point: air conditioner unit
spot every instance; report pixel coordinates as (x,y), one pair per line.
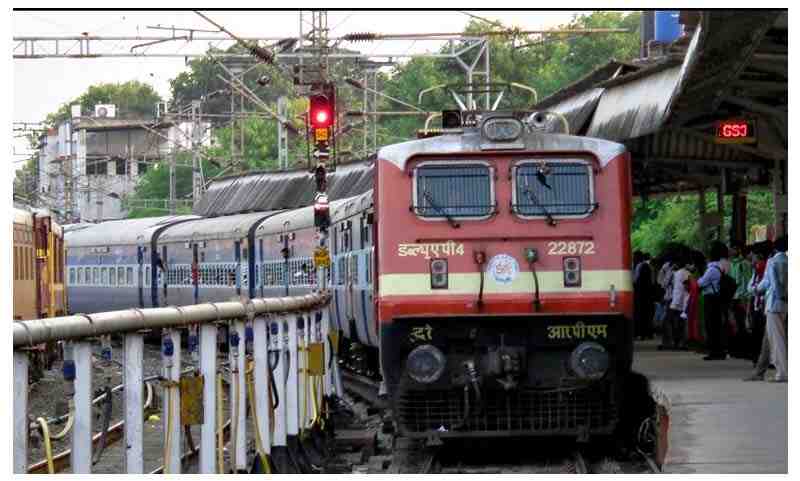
(76,110)
(161,109)
(105,111)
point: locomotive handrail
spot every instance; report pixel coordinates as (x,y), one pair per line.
(32,332)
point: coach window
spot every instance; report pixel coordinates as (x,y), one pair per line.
(129,275)
(80,275)
(104,276)
(71,275)
(112,276)
(447,190)
(147,274)
(554,188)
(94,275)
(121,276)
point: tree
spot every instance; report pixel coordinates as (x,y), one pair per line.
(546,65)
(659,222)
(133,99)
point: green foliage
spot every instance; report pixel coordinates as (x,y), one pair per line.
(546,65)
(133,99)
(675,219)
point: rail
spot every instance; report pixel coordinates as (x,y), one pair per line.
(281,375)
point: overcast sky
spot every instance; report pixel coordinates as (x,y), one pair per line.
(41,86)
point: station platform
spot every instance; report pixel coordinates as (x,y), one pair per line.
(718,423)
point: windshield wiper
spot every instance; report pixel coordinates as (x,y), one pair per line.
(450,220)
(532,196)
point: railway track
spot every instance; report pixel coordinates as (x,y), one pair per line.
(499,455)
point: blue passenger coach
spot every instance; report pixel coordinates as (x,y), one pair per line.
(114,265)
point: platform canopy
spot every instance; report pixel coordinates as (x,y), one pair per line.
(729,66)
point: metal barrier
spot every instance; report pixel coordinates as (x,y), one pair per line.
(281,368)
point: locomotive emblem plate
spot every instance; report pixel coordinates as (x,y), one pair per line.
(503,268)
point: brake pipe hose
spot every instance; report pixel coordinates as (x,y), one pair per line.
(168,351)
(254,413)
(234,339)
(48,448)
(220,436)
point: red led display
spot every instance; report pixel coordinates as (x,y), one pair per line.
(736,131)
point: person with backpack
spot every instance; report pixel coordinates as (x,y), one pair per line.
(718,288)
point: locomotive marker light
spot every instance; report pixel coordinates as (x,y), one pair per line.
(589,361)
(439,276)
(572,271)
(425,364)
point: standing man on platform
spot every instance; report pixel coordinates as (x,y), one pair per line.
(713,306)
(775,285)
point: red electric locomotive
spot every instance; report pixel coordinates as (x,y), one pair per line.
(503,287)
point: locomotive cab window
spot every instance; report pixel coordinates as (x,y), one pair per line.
(553,188)
(448,190)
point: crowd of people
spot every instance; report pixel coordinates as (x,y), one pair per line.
(732,302)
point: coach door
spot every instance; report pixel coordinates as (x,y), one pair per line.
(260,271)
(237,252)
(195,272)
(140,274)
(163,272)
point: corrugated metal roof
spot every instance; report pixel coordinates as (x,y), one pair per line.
(635,108)
(578,109)
(120,232)
(729,41)
(265,191)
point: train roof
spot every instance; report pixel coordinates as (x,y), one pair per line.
(78,226)
(224,227)
(121,232)
(302,218)
(344,208)
(264,191)
(470,142)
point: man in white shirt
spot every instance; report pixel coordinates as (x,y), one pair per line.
(679,301)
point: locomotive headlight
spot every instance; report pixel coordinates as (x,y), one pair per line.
(501,129)
(589,361)
(425,364)
(439,274)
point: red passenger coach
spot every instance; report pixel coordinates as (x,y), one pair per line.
(504,290)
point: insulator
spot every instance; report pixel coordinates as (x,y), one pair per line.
(262,53)
(360,37)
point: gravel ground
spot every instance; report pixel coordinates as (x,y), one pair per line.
(45,396)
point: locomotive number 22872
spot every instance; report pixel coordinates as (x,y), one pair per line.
(556,248)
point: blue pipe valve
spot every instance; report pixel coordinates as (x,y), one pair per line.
(248,339)
(234,339)
(68,370)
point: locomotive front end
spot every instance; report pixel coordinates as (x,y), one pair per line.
(504,291)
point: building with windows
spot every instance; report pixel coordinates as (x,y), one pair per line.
(88,166)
